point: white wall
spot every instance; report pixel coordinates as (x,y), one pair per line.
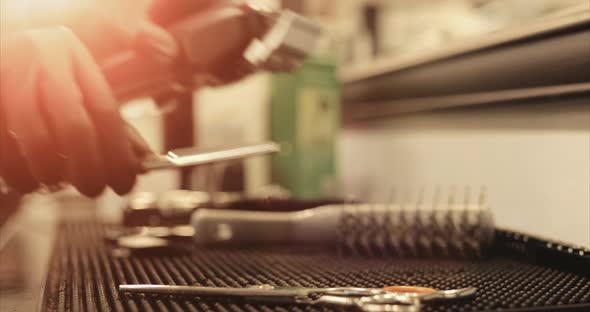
(237,114)
(533,159)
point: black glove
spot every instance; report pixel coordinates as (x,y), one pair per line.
(59,120)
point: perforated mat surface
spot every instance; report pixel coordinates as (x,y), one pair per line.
(85,272)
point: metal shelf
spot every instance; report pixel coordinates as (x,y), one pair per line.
(546,60)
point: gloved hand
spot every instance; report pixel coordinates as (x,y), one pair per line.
(59,119)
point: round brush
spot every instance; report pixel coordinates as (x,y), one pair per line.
(456,231)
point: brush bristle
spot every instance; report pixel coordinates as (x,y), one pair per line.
(462,231)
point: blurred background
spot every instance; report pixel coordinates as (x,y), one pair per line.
(533,159)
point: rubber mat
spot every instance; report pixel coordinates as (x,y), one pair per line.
(86,270)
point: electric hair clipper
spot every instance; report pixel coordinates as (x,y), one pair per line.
(220,43)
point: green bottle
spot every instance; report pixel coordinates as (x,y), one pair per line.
(305,118)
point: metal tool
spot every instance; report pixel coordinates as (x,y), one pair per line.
(162,232)
(199,156)
(365,299)
(286,45)
(457,231)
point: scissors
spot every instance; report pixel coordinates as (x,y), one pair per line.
(391,298)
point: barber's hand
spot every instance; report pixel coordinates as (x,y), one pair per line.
(59,119)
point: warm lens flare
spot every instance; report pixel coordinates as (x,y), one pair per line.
(48,3)
(30,13)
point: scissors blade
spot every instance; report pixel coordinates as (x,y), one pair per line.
(198,156)
(200,291)
(449,294)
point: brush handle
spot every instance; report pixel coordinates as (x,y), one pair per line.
(217,226)
(242,226)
